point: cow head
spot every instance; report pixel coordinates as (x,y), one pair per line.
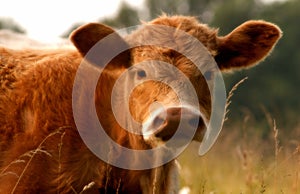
(163,77)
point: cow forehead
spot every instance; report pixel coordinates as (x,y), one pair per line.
(170,45)
(174,31)
(153,57)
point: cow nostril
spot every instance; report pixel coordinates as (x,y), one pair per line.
(194,122)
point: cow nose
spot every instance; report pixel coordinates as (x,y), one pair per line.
(168,120)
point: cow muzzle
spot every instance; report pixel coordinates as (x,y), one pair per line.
(180,123)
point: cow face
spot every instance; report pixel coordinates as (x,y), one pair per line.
(163,77)
(170,93)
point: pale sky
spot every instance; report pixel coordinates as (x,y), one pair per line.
(47,19)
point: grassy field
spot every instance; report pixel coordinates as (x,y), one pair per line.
(243,163)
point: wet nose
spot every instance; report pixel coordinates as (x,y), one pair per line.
(168,120)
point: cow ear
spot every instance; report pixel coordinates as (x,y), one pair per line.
(87,36)
(248,44)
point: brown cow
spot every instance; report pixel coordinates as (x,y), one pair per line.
(42,141)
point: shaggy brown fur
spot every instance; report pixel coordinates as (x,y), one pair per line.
(40,148)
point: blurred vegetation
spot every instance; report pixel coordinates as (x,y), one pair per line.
(126,16)
(10,24)
(242,164)
(272,90)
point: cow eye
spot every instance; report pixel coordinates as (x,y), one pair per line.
(141,74)
(208,75)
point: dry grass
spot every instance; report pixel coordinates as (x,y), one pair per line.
(242,163)
(30,155)
(239,163)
